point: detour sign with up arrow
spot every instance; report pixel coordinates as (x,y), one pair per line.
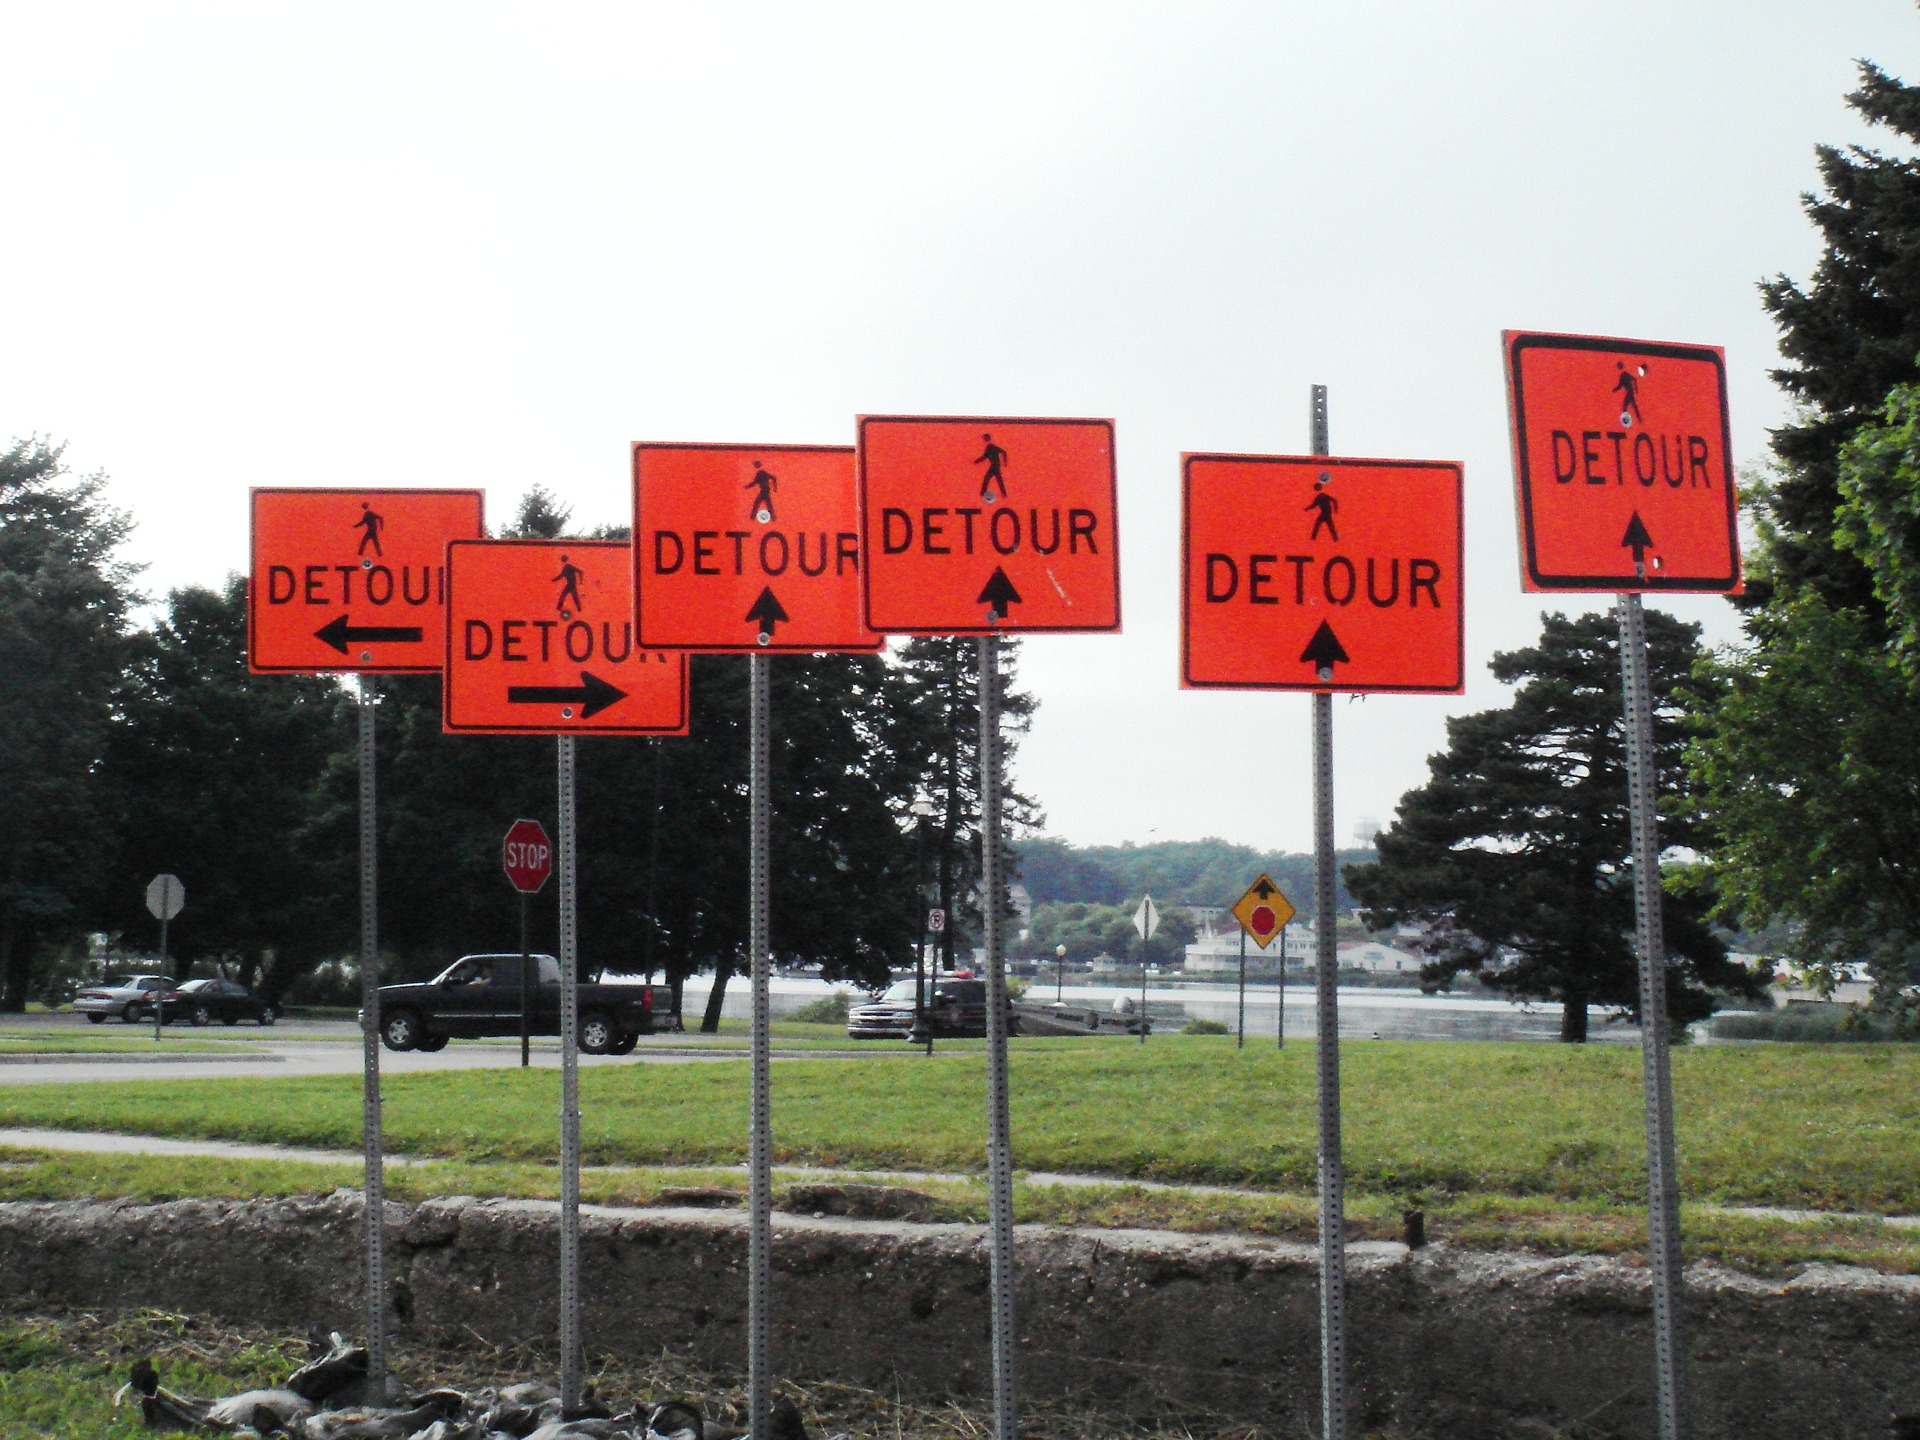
(1623,464)
(353,579)
(540,642)
(974,526)
(1312,573)
(747,547)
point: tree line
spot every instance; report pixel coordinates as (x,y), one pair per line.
(131,749)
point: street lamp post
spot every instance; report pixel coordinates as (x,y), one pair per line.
(1060,974)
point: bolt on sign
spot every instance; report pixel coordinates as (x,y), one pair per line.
(1316,573)
(1623,464)
(1263,912)
(540,642)
(353,579)
(747,547)
(976,526)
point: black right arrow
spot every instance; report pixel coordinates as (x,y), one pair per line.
(998,594)
(1637,539)
(340,635)
(767,610)
(1324,650)
(592,695)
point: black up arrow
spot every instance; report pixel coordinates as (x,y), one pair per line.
(1265,888)
(1637,539)
(592,695)
(998,594)
(1324,651)
(340,635)
(768,611)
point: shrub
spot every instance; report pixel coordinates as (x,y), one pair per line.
(827,1010)
(1827,1025)
(1205,1027)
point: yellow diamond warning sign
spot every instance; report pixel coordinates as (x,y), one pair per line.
(1263,912)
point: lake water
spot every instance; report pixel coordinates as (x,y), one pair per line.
(1366,1012)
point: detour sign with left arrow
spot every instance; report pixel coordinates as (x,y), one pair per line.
(540,642)
(353,579)
(1312,573)
(1623,464)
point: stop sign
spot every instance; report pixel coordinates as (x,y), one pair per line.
(527,856)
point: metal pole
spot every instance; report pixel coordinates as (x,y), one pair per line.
(1663,1189)
(1280,996)
(759,1131)
(159,1011)
(569,1084)
(1332,1176)
(1240,1032)
(370,1137)
(999,1133)
(526,1028)
(1143,990)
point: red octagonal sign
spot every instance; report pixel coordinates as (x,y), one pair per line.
(527,856)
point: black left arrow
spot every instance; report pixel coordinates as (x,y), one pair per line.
(999,594)
(340,635)
(768,611)
(1324,651)
(1637,539)
(592,695)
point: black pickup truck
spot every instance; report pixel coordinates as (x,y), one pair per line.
(481,995)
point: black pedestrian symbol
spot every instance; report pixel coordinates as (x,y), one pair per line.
(1323,505)
(993,457)
(1627,386)
(372,523)
(764,482)
(569,582)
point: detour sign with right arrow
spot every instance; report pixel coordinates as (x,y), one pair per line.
(1314,573)
(1622,463)
(540,642)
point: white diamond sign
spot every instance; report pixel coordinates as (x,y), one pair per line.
(1147,918)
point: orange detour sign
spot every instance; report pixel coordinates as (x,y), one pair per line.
(1263,912)
(747,547)
(540,642)
(353,579)
(1623,464)
(1312,573)
(975,526)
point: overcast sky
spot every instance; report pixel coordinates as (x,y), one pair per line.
(492,245)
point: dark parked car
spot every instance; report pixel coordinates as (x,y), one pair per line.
(956,1005)
(201,1002)
(481,995)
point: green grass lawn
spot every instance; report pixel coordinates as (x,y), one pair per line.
(1814,1127)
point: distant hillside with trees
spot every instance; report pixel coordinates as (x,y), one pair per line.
(1174,872)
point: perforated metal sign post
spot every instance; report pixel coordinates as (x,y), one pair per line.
(1294,565)
(1623,474)
(1622,463)
(540,641)
(353,580)
(747,548)
(974,526)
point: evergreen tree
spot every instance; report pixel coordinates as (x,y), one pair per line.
(214,775)
(64,597)
(1806,763)
(1851,336)
(936,737)
(1515,855)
